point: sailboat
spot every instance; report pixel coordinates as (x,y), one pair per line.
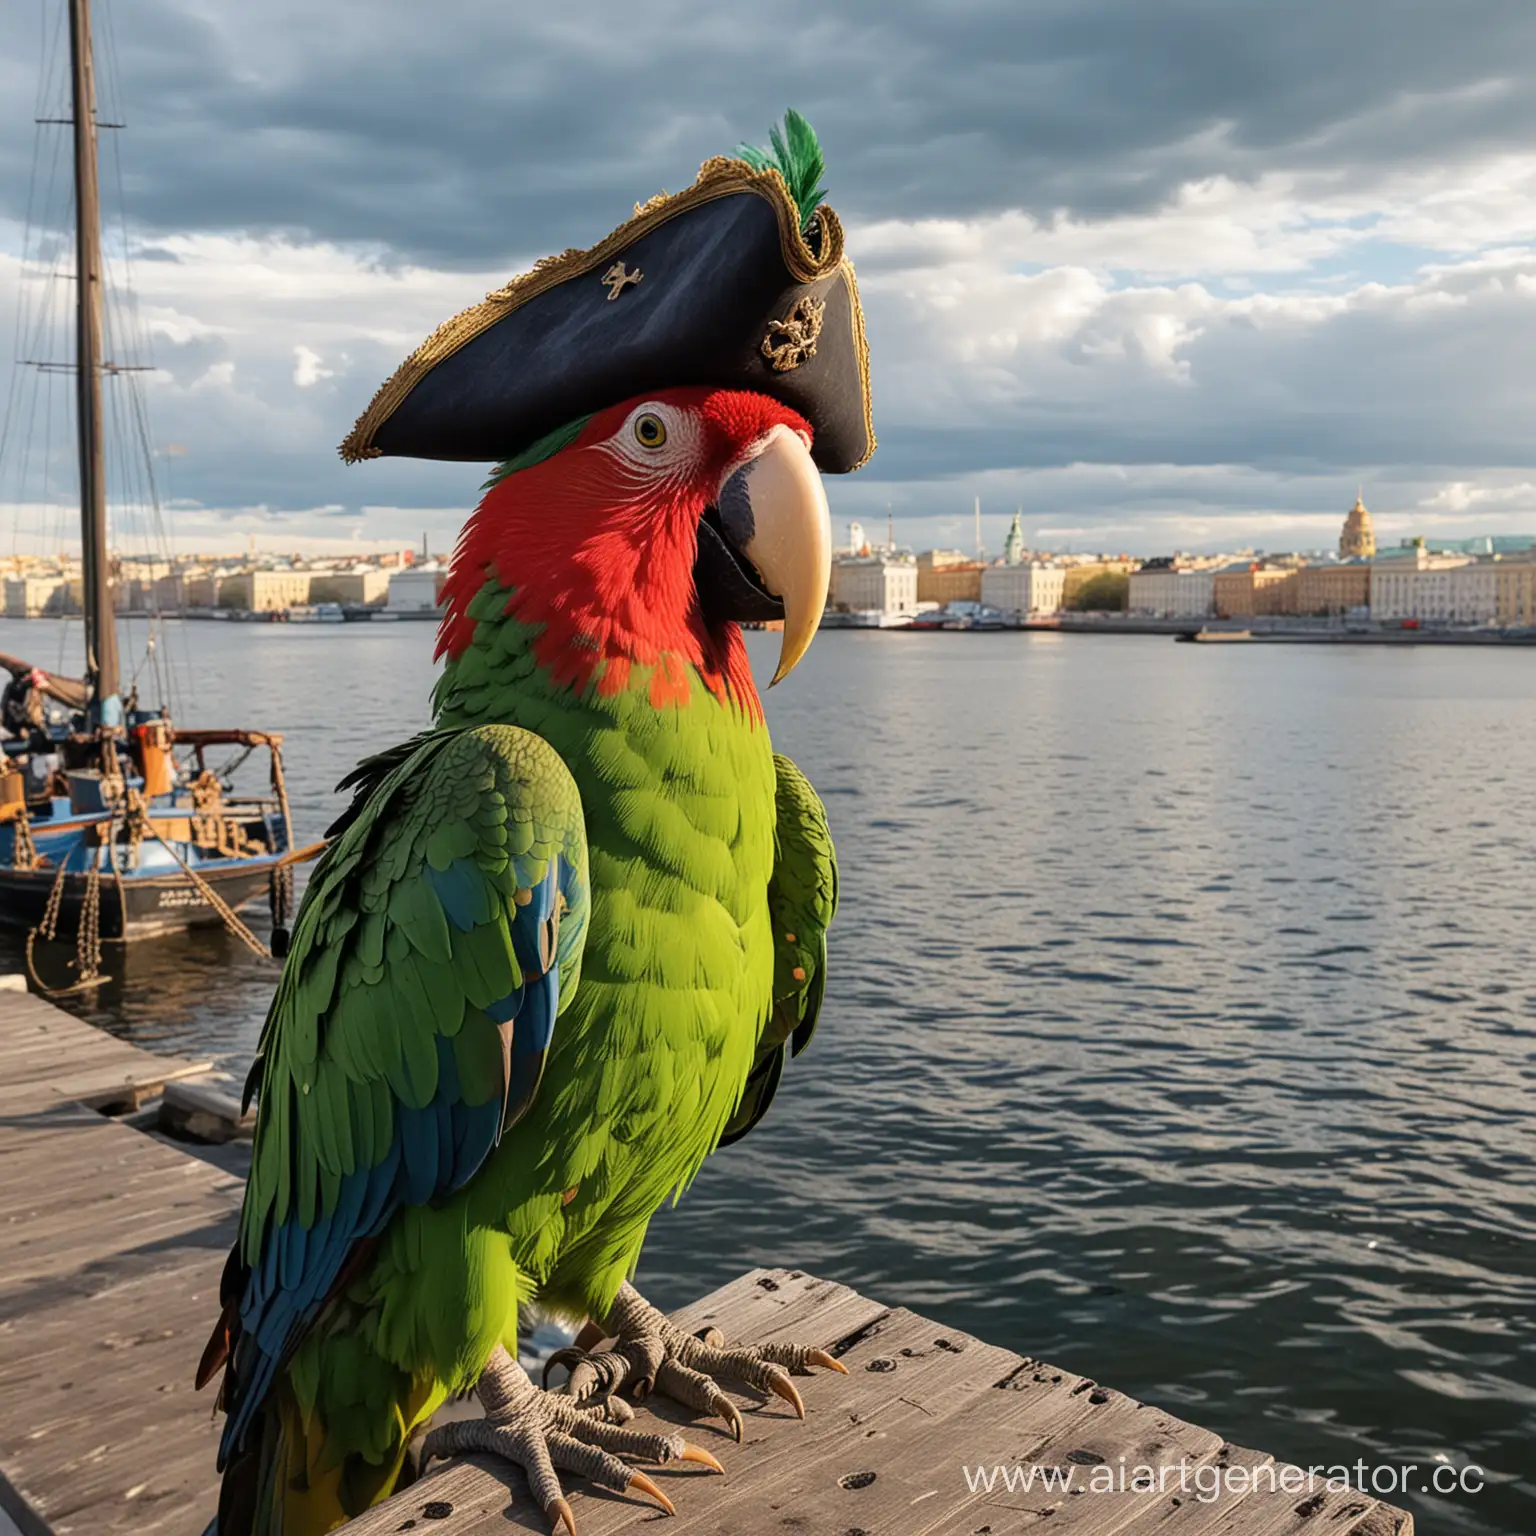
(115,823)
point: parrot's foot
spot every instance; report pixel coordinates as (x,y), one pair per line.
(650,1353)
(541,1431)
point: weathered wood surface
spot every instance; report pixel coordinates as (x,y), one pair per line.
(204,1111)
(883,1449)
(48,1056)
(111,1244)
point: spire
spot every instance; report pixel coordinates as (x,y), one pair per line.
(1013,545)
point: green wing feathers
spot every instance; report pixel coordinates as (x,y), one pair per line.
(802,901)
(438,940)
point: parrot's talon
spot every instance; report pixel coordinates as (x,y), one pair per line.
(649,1355)
(569,1357)
(699,1454)
(776,1379)
(548,1432)
(650,1490)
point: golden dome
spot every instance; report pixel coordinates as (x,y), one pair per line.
(1358,540)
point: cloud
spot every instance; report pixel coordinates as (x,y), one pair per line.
(308,367)
(1173,272)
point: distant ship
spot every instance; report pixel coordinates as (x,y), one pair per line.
(115,823)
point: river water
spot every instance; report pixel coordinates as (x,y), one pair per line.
(1180,1026)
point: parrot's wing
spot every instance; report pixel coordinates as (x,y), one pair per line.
(802,900)
(437,942)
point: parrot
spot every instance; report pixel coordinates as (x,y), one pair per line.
(555,953)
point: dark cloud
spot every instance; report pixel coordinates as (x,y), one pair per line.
(460,132)
(470,137)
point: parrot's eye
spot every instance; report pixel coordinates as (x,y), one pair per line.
(650,431)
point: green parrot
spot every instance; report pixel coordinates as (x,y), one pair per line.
(556,952)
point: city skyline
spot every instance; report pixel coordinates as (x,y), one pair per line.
(1171,284)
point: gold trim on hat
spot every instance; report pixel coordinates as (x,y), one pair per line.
(861,351)
(718,177)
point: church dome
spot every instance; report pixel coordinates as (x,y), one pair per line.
(1358,540)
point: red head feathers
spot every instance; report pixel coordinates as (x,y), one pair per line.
(597,543)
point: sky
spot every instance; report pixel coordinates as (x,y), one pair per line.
(1163,274)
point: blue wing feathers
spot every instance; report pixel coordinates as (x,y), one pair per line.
(463,892)
(434,1150)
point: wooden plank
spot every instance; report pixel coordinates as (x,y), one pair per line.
(114,1243)
(205,1113)
(47,1054)
(885,1449)
(99,1334)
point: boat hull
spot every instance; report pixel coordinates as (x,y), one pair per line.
(141,907)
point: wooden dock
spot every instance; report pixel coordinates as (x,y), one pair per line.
(113,1243)
(112,1247)
(884,1450)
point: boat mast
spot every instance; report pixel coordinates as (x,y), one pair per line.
(100,621)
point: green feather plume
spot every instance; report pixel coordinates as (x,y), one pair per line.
(797,157)
(536,452)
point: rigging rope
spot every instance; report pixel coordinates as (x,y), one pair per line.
(211,896)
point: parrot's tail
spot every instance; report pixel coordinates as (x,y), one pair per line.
(284,1484)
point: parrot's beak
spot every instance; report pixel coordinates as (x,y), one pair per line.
(773,510)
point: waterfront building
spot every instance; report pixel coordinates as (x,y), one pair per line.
(1165,590)
(169,593)
(1079,575)
(1358,540)
(879,583)
(201,587)
(1022,590)
(1474,593)
(415,590)
(946,576)
(1515,592)
(1330,589)
(1251,588)
(264,591)
(1411,583)
(33,597)
(367,587)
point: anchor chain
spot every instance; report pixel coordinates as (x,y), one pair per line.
(87,935)
(23,846)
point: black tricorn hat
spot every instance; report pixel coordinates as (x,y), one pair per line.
(717,285)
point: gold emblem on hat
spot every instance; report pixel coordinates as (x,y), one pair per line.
(618,279)
(792,340)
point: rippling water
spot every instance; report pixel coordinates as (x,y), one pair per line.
(1180,1026)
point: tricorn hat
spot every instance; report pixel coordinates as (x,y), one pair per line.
(729,283)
